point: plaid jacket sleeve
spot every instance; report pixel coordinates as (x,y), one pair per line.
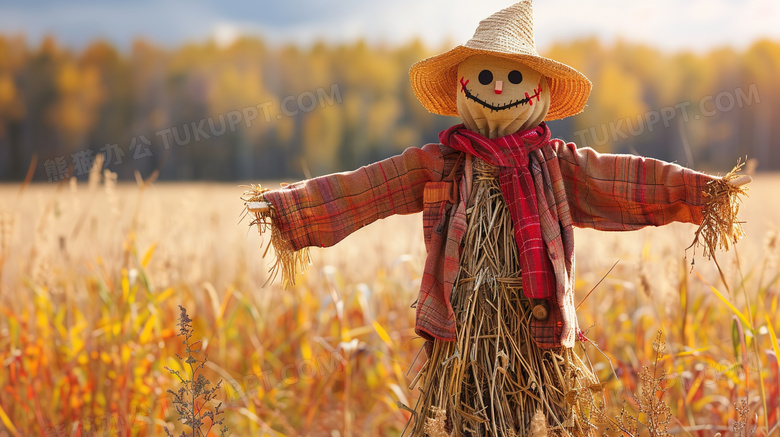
(324,210)
(625,192)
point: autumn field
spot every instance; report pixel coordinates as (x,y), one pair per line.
(92,275)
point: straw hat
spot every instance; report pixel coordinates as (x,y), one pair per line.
(508,34)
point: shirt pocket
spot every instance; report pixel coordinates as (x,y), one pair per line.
(438,198)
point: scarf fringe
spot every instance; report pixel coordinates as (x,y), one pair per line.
(720,227)
(288,261)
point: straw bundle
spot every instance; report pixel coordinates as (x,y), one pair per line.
(287,260)
(494,380)
(720,226)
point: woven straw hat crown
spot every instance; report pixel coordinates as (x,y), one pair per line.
(507,34)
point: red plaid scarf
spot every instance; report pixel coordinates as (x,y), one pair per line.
(510,153)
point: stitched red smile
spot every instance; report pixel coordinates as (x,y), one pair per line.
(529,99)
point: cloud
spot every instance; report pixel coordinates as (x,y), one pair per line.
(697,25)
(77,23)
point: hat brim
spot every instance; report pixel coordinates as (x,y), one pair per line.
(434,81)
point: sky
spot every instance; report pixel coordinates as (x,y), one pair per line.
(671,25)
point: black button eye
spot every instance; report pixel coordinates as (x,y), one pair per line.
(515,76)
(485,77)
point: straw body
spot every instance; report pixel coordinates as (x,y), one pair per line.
(494,380)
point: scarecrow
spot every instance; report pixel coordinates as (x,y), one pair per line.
(499,199)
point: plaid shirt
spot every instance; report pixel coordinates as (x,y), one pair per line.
(575,187)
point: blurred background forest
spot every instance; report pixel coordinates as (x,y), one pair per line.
(250,110)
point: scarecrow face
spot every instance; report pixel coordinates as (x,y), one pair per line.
(498,97)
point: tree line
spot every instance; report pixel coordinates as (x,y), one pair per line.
(249,111)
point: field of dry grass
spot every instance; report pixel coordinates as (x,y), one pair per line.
(91,277)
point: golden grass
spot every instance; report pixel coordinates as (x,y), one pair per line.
(91,278)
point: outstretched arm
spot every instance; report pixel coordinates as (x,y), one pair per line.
(626,192)
(324,210)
